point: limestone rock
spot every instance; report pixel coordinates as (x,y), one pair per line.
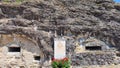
(69,18)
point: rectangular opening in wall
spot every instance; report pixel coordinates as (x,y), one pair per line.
(93,48)
(37,58)
(14,49)
(22,67)
(118,54)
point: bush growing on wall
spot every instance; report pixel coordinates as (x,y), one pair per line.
(60,63)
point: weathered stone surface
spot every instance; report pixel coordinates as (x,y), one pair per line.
(92,59)
(69,18)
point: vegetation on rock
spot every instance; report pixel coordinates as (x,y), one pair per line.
(61,63)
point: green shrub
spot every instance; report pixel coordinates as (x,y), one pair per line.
(61,63)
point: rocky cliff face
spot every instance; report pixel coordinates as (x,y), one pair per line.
(70,18)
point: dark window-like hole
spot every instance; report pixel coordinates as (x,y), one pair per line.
(22,67)
(93,48)
(118,54)
(37,58)
(14,49)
